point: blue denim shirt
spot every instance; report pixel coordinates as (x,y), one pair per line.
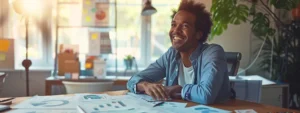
(211,84)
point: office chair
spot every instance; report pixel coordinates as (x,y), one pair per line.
(233,63)
(241,89)
(2,80)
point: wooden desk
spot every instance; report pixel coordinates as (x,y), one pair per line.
(230,105)
(50,81)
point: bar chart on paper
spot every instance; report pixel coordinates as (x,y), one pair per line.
(105,105)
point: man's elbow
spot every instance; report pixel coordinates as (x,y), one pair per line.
(205,99)
(208,100)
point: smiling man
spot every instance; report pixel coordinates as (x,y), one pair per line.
(194,70)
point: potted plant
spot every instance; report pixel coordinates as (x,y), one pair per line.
(128,61)
(281,50)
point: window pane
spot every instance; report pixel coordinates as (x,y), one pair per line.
(35,41)
(128,30)
(161,23)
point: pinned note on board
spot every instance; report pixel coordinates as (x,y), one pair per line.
(4,45)
(87,2)
(7,55)
(94,36)
(94,43)
(95,13)
(2,57)
(88,19)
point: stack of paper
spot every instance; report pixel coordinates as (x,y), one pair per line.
(102,103)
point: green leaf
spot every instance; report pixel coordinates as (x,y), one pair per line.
(252,10)
(239,14)
(284,4)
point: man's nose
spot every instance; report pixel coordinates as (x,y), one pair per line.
(177,30)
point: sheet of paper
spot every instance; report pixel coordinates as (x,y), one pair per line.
(48,102)
(4,45)
(198,109)
(108,105)
(173,105)
(91,97)
(2,57)
(245,111)
(143,96)
(252,77)
(41,111)
(94,43)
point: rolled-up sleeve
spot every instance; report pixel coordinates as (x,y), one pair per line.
(211,77)
(153,73)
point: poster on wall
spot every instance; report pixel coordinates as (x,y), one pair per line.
(99,43)
(7,54)
(95,13)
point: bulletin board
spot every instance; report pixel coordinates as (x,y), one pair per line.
(7,56)
(95,13)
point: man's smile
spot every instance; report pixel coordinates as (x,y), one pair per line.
(177,38)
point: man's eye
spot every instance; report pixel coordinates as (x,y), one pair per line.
(185,25)
(173,25)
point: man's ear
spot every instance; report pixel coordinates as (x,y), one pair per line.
(199,35)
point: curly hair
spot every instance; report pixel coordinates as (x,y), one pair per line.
(203,20)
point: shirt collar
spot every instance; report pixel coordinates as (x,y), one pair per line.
(195,53)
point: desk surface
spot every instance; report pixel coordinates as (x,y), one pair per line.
(230,105)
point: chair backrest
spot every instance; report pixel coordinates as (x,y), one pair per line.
(88,87)
(233,62)
(2,80)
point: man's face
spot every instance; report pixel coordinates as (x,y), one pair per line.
(183,33)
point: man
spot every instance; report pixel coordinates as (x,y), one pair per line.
(194,70)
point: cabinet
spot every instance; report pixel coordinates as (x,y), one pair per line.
(276,95)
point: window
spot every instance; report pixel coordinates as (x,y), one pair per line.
(161,24)
(36,44)
(130,37)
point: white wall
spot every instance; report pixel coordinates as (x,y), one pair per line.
(236,39)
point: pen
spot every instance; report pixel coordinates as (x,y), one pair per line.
(6,99)
(158,104)
(80,109)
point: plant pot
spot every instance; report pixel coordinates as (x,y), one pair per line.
(128,64)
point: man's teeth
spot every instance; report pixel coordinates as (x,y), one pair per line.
(177,38)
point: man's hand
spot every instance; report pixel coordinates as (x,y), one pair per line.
(174,91)
(155,90)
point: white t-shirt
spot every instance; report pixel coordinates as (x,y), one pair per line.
(186,75)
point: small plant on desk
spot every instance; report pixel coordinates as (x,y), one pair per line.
(128,60)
